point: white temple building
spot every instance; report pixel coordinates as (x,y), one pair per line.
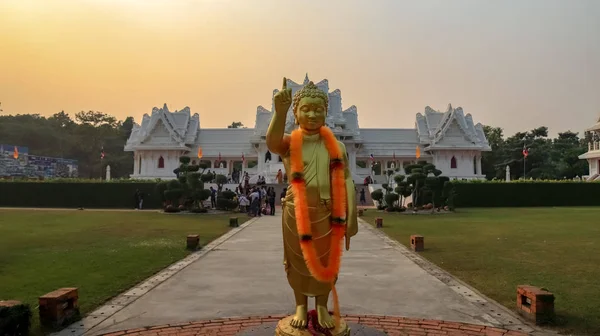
(593,154)
(450,140)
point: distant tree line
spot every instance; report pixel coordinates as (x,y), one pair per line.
(547,158)
(82,138)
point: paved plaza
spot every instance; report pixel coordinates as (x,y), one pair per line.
(241,275)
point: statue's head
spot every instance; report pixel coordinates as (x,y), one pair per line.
(310,107)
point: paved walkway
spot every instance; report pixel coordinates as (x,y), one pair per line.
(242,275)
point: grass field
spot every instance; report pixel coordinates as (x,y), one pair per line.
(495,250)
(102,253)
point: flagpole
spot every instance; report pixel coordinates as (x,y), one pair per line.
(524,159)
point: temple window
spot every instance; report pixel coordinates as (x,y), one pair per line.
(161,162)
(453,164)
(140,165)
(268,156)
(475,165)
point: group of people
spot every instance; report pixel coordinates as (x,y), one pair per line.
(258,200)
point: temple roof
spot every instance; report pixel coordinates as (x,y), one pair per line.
(163,129)
(336,115)
(450,129)
(596,127)
(227,141)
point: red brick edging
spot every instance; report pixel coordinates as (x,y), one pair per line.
(393,326)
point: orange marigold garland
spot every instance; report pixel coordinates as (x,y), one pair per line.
(338,210)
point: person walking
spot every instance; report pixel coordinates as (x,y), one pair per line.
(363,199)
(136,199)
(213,197)
(271,196)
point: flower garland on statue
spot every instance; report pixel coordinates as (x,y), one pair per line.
(338,210)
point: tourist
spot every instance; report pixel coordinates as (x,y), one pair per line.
(279,176)
(244,203)
(141,203)
(246,181)
(271,197)
(363,199)
(255,203)
(213,197)
(136,199)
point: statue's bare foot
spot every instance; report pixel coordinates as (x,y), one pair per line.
(300,319)
(325,319)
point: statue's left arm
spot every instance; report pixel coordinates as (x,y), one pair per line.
(351,212)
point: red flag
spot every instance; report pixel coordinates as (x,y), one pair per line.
(394,156)
(243,158)
(102,154)
(525,152)
(219,157)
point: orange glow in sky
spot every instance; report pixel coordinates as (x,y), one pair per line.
(514,64)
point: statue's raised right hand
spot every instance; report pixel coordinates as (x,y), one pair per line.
(283,100)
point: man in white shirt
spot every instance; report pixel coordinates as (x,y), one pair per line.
(255,203)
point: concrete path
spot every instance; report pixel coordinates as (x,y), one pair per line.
(244,276)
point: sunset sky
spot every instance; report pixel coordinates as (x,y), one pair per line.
(514,64)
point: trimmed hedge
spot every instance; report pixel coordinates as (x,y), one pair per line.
(105,195)
(526,194)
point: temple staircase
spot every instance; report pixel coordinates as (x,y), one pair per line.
(595,177)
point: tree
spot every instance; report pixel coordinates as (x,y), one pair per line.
(127,127)
(188,192)
(95,118)
(377,195)
(403,188)
(236,124)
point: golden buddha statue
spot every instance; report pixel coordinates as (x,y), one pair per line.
(319,209)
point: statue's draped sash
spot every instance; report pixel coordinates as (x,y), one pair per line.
(318,193)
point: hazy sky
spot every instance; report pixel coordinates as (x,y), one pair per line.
(514,64)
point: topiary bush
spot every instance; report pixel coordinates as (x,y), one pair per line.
(377,195)
(225,201)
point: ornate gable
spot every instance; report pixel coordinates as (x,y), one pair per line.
(160,134)
(452,124)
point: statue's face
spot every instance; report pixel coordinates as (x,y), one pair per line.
(311,113)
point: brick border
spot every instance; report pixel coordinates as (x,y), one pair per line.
(393,326)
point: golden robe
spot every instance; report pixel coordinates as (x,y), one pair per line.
(318,192)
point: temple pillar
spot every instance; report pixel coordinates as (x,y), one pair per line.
(135,162)
(261,161)
(352,161)
(146,164)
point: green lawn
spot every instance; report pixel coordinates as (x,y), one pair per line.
(494,250)
(102,253)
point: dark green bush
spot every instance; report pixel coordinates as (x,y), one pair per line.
(525,194)
(377,195)
(226,204)
(391,199)
(107,195)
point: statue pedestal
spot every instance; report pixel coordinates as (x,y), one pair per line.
(285,329)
